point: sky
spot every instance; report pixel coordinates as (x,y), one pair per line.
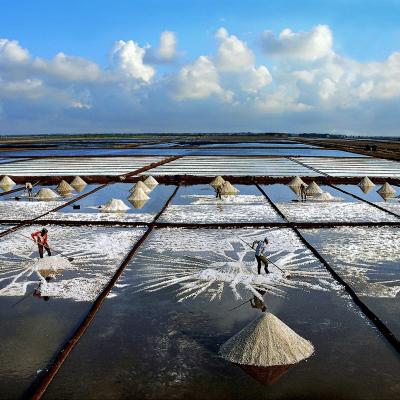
(200,66)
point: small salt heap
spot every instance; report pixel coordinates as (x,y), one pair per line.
(138,197)
(227,189)
(366,185)
(387,191)
(64,188)
(114,206)
(296,182)
(313,189)
(217,182)
(7,183)
(78,184)
(140,185)
(150,182)
(46,194)
(265,342)
(324,196)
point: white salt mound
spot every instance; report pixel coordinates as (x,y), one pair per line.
(141,185)
(324,196)
(296,182)
(366,183)
(64,187)
(138,194)
(150,182)
(7,181)
(114,205)
(217,182)
(228,189)
(46,194)
(266,342)
(313,189)
(78,182)
(387,190)
(54,263)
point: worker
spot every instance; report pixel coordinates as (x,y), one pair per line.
(256,302)
(41,238)
(28,188)
(259,246)
(303,192)
(218,194)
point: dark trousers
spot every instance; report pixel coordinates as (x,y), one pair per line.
(40,247)
(262,260)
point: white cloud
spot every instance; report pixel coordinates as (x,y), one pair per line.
(167,48)
(127,58)
(302,45)
(232,54)
(200,80)
(70,68)
(12,52)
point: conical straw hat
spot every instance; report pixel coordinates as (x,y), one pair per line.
(138,194)
(265,342)
(114,205)
(46,194)
(64,187)
(313,189)
(228,189)
(296,182)
(138,203)
(217,182)
(140,185)
(78,182)
(366,183)
(387,190)
(150,182)
(7,181)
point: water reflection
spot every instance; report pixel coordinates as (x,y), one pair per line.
(266,375)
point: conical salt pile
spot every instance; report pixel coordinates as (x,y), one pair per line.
(114,205)
(78,183)
(387,190)
(138,194)
(150,182)
(227,189)
(46,194)
(366,182)
(324,196)
(265,342)
(217,182)
(313,189)
(140,185)
(296,182)
(7,182)
(64,187)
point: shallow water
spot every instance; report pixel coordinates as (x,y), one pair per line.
(148,345)
(34,329)
(368,259)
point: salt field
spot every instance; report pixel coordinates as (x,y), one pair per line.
(152,289)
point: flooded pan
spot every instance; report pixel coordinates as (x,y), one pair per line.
(341,208)
(70,166)
(368,259)
(159,333)
(233,166)
(90,207)
(41,302)
(199,204)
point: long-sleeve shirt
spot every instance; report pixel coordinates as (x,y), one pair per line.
(260,246)
(40,239)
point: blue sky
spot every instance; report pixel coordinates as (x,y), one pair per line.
(335,70)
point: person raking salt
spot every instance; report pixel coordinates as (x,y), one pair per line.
(41,238)
(260,257)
